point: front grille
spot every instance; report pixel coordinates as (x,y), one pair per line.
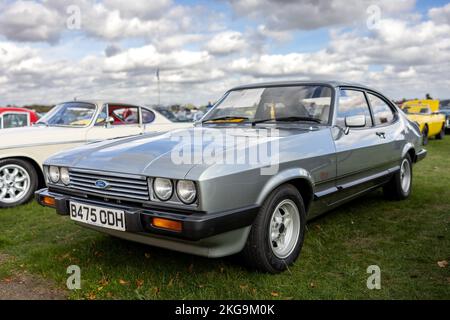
(119,186)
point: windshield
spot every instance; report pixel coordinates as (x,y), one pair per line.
(73,114)
(416,109)
(274,103)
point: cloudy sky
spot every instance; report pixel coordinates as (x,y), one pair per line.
(54,50)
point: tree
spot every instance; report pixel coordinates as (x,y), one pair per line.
(428,96)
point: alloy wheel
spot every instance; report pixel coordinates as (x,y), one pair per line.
(284,228)
(14,183)
(405,176)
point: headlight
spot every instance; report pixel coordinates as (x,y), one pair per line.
(54,174)
(163,188)
(64,172)
(186,191)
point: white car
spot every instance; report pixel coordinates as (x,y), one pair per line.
(67,125)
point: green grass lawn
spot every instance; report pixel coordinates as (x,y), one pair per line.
(405,239)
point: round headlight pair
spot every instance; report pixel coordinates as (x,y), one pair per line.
(186,190)
(56,174)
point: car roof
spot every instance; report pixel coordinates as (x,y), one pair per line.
(15,109)
(332,83)
(100,102)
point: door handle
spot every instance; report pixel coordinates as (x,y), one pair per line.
(381,135)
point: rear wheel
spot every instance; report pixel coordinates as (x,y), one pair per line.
(441,134)
(399,187)
(425,135)
(18,181)
(277,234)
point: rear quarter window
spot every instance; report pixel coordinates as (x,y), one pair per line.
(382,112)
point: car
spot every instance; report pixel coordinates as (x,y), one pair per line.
(11,117)
(427,116)
(444,109)
(68,124)
(200,191)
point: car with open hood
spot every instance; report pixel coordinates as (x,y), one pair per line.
(264,160)
(67,125)
(426,114)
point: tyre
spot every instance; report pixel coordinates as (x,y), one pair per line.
(425,135)
(18,181)
(399,187)
(277,234)
(441,134)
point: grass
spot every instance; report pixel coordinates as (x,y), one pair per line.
(405,239)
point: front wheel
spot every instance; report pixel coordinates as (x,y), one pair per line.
(441,134)
(277,234)
(18,181)
(399,187)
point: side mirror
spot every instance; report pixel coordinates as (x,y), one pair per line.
(109,121)
(358,121)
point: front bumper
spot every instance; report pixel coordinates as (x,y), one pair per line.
(421,155)
(195,225)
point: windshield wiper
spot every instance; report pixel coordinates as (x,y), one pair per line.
(288,119)
(225,118)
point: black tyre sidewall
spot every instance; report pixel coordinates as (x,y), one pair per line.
(271,262)
(425,136)
(33,180)
(441,134)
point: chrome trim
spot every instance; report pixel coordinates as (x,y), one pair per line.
(43,144)
(121,186)
(109,173)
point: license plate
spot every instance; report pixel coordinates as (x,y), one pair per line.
(98,216)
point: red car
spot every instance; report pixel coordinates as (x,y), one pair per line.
(16,117)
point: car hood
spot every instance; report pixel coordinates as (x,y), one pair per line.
(162,154)
(37,135)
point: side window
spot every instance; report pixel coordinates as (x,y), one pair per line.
(124,115)
(382,113)
(147,116)
(352,103)
(14,120)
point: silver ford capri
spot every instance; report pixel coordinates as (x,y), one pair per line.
(247,178)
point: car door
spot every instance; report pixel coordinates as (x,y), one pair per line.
(125,121)
(436,122)
(389,130)
(359,151)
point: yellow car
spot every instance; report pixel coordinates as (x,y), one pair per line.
(426,114)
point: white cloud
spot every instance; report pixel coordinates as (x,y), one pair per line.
(201,54)
(142,9)
(440,15)
(307,14)
(147,57)
(226,42)
(29,21)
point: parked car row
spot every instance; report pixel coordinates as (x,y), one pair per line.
(335,141)
(67,125)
